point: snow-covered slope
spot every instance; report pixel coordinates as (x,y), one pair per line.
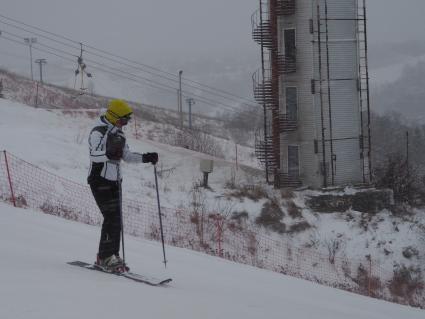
(57,142)
(37,283)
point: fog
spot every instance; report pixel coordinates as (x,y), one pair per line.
(211,40)
(148,29)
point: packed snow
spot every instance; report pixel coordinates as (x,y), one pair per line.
(57,142)
(37,283)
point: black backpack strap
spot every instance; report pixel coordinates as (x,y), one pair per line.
(96,168)
(101,129)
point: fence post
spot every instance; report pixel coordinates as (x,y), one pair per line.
(36,95)
(369,277)
(9,178)
(219,233)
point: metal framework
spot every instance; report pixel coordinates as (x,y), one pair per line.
(363,86)
(81,69)
(325,91)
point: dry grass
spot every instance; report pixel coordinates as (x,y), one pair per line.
(406,283)
(253,192)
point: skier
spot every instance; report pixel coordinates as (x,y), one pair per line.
(108,147)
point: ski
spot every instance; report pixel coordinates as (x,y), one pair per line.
(128,274)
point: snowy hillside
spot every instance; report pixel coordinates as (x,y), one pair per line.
(37,283)
(56,141)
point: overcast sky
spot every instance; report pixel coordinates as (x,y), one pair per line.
(209,39)
(150,28)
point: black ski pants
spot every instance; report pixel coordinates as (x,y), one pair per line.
(106,194)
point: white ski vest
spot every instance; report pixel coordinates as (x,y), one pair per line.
(100,165)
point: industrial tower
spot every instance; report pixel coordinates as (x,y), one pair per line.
(313,85)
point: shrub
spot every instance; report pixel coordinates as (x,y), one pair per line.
(253,192)
(293,210)
(403,179)
(287,193)
(240,215)
(367,284)
(410,252)
(231,182)
(21,201)
(271,216)
(333,246)
(406,282)
(1,88)
(196,140)
(242,125)
(299,227)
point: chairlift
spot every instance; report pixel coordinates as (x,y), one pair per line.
(81,70)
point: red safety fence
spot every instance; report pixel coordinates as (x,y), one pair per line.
(26,185)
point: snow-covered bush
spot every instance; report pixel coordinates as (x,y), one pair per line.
(407,284)
(1,89)
(271,217)
(242,125)
(293,210)
(253,192)
(333,245)
(404,180)
(197,141)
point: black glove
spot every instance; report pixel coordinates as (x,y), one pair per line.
(115,146)
(150,158)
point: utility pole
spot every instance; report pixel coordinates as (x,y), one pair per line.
(40,63)
(180,99)
(236,157)
(36,95)
(30,42)
(190,101)
(407,166)
(178,103)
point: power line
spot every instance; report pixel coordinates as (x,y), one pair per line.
(171,89)
(125,75)
(199,97)
(71,60)
(174,77)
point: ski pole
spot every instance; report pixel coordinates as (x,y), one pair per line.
(121,214)
(160,216)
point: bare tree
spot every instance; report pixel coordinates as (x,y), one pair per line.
(402,178)
(1,89)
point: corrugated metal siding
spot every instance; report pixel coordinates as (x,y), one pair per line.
(303,137)
(342,47)
(338,9)
(347,165)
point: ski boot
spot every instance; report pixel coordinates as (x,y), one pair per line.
(111,264)
(126,268)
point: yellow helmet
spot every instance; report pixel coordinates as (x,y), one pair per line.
(117,109)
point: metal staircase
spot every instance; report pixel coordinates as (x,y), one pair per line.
(264,150)
(287,64)
(287,124)
(286,180)
(286,7)
(264,23)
